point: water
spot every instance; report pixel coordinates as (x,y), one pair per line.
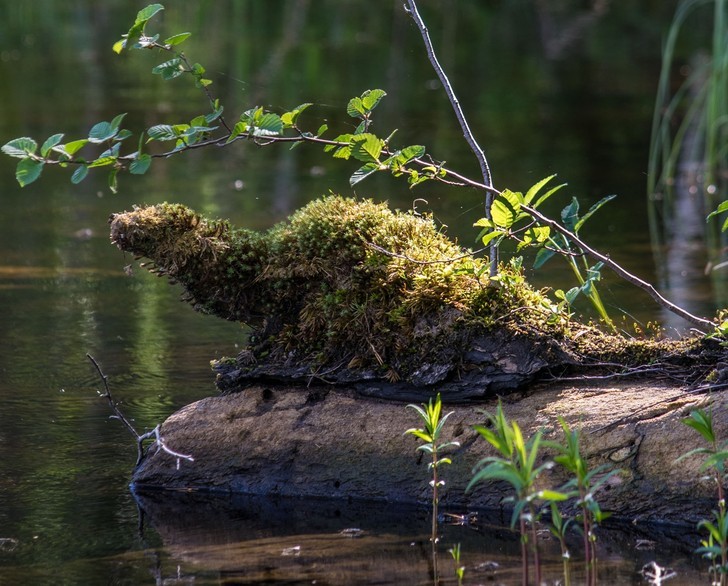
(66,514)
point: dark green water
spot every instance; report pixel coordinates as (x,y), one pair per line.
(545,92)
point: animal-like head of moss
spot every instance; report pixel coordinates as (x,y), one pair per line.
(340,280)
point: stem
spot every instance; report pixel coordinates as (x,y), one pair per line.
(534,546)
(524,552)
(467,133)
(699,322)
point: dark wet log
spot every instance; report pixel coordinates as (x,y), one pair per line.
(317,442)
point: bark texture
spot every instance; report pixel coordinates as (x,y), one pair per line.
(320,442)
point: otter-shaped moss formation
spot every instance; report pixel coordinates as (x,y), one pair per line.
(344,285)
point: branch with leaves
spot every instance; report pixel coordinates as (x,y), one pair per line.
(508,214)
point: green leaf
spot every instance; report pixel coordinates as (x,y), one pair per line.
(71,148)
(177,39)
(591,211)
(28,171)
(719,210)
(531,193)
(269,125)
(118,46)
(50,142)
(101,132)
(20,147)
(140,165)
(505,209)
(122,135)
(363,172)
(161,132)
(116,122)
(148,12)
(169,69)
(570,214)
(355,108)
(371,98)
(366,148)
(238,129)
(542,256)
(321,129)
(214,115)
(113,181)
(289,118)
(79,174)
(103,161)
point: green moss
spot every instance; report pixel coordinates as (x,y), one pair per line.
(350,282)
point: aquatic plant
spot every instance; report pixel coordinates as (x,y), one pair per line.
(459,569)
(582,484)
(517,465)
(715,546)
(434,421)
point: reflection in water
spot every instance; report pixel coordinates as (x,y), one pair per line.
(254,540)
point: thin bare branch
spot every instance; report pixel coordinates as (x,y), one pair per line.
(699,322)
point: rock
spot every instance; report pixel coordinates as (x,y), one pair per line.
(319,442)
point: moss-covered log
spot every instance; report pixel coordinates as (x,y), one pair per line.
(352,292)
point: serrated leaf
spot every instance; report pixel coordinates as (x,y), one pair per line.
(355,108)
(366,148)
(102,162)
(505,209)
(371,98)
(140,165)
(363,172)
(161,132)
(269,125)
(101,132)
(177,39)
(238,129)
(50,142)
(79,174)
(20,147)
(28,171)
(289,118)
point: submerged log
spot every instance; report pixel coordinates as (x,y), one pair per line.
(320,442)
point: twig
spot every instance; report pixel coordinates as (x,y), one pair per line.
(411,9)
(626,275)
(423,262)
(155,433)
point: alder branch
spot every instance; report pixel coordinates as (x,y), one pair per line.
(155,433)
(619,270)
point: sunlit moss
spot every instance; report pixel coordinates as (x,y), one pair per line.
(348,282)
